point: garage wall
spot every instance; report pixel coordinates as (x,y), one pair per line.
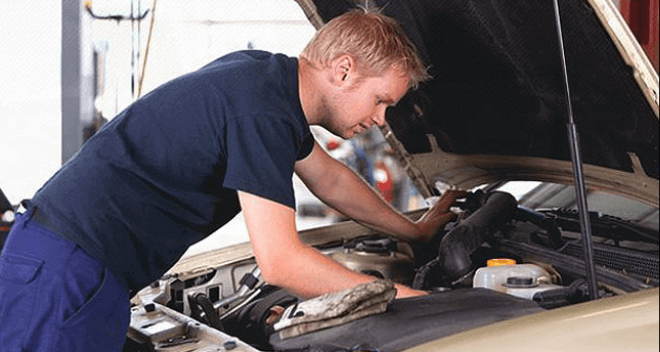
(30,118)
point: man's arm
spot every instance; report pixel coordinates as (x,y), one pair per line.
(287,262)
(342,189)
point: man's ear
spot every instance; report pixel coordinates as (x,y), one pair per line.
(343,69)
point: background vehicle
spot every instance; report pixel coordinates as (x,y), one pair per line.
(6,217)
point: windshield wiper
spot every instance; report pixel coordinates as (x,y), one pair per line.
(606,226)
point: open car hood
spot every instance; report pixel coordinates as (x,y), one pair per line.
(496,110)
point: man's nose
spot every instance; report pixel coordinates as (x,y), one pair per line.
(379,118)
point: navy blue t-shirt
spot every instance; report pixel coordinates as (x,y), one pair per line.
(163,174)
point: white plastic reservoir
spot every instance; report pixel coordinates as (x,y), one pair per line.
(521,280)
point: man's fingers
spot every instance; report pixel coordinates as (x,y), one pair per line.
(454,194)
(449,197)
(404,291)
(439,216)
(447,217)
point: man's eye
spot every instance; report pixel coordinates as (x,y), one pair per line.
(379,101)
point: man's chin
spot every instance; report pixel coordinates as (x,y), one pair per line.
(341,133)
(344,134)
(350,134)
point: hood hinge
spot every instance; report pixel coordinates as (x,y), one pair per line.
(407,161)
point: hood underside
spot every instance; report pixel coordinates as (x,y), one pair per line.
(496,110)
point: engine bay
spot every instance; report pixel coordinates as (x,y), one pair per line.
(496,262)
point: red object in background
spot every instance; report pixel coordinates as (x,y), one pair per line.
(383,178)
(642,18)
(333,144)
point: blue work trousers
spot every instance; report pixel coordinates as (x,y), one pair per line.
(55,297)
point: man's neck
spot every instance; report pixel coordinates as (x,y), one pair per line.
(309,90)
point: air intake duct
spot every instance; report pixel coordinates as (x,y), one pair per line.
(457,245)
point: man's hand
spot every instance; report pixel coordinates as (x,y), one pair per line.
(438,216)
(405,291)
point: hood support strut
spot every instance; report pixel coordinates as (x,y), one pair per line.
(576,158)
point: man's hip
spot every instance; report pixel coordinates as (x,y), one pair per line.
(55,297)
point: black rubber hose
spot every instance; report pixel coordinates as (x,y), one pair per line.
(211,316)
(457,246)
(423,272)
(543,221)
(577,292)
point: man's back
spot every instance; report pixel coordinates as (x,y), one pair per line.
(153,180)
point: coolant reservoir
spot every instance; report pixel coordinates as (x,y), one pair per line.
(521,280)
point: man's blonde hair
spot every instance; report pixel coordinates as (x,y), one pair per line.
(377,43)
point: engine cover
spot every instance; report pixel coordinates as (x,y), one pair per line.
(412,321)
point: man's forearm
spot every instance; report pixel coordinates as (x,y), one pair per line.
(284,259)
(349,194)
(308,273)
(341,188)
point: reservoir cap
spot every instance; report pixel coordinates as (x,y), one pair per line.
(501,262)
(520,282)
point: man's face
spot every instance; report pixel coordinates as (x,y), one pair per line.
(357,106)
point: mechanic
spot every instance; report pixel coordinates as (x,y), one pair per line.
(183,160)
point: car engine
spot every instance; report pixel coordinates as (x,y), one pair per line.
(497,261)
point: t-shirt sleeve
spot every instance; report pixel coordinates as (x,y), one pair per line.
(261,153)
